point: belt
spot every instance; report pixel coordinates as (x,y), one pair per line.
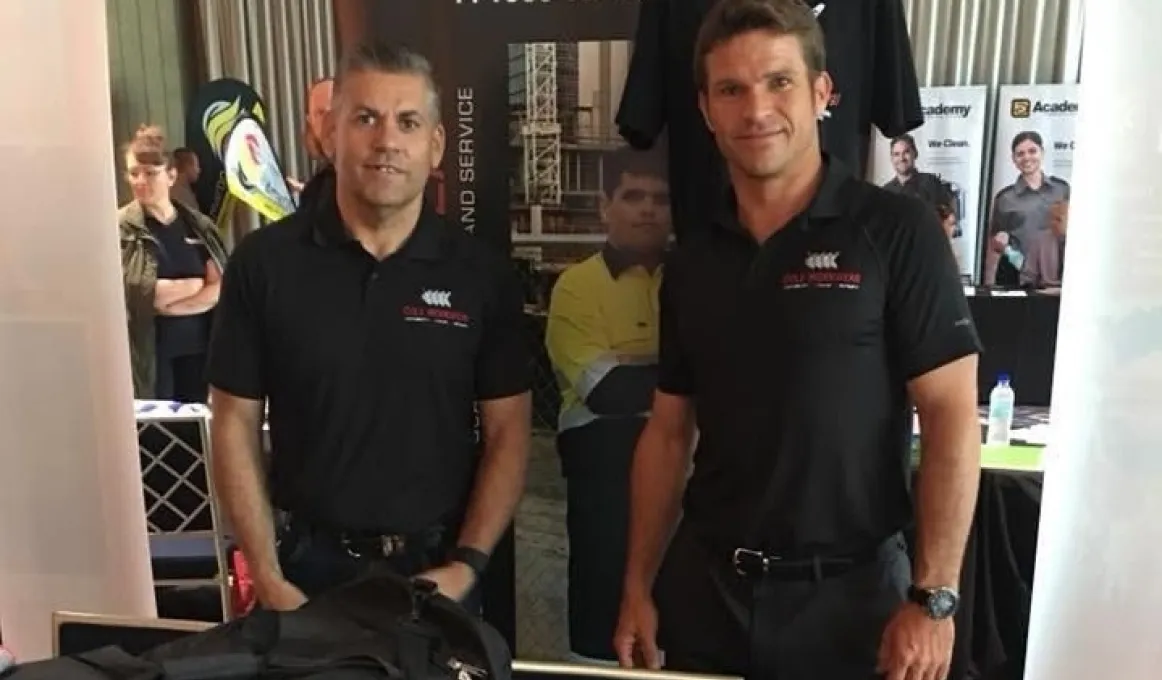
(760,565)
(370,544)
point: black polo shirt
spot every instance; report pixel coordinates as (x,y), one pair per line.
(869,57)
(371,368)
(797,354)
(180,255)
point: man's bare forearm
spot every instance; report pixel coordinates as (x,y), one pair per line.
(658,478)
(946,493)
(199,303)
(239,482)
(500,481)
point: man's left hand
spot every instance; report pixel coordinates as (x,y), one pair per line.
(916,647)
(455,579)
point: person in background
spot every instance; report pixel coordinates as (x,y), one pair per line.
(946,211)
(188,169)
(375,364)
(319,95)
(926,186)
(1020,212)
(602,339)
(1045,263)
(172,262)
(797,331)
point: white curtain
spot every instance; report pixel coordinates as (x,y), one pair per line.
(279,47)
(995,42)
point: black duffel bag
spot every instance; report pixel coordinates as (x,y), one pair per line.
(379,628)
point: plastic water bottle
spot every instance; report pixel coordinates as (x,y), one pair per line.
(6,660)
(1002,400)
(1015,257)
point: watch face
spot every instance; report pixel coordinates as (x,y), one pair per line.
(942,603)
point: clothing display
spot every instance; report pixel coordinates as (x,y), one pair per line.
(869,58)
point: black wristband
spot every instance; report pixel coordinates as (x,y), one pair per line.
(476,560)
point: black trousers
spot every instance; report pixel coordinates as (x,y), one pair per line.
(712,620)
(316,561)
(182,379)
(596,460)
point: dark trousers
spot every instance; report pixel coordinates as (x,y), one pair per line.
(182,379)
(316,561)
(714,621)
(595,460)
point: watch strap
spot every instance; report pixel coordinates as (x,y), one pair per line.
(919,596)
(476,560)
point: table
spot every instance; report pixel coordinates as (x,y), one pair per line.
(997,579)
(1019,334)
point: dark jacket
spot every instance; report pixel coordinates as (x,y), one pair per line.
(139,276)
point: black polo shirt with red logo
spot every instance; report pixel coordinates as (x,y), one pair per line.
(371,368)
(797,354)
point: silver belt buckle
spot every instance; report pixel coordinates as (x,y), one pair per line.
(761,558)
(390,545)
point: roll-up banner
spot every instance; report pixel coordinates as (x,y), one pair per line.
(941,163)
(1032,167)
(525,111)
(226,128)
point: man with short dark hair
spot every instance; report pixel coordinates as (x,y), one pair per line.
(375,331)
(797,334)
(926,186)
(602,339)
(188,168)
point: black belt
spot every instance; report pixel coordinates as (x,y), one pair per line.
(760,565)
(371,544)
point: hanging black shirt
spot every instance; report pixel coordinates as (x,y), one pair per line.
(869,58)
(180,255)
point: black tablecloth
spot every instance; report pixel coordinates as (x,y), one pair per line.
(996,584)
(1020,338)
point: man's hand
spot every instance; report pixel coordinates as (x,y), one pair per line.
(455,580)
(278,594)
(1000,241)
(916,647)
(636,639)
(295,185)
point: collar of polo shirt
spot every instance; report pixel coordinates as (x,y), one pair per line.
(427,242)
(619,261)
(828,203)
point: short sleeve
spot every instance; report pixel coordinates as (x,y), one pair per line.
(928,319)
(674,372)
(237,342)
(503,364)
(895,105)
(642,112)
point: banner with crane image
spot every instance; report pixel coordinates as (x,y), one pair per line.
(506,170)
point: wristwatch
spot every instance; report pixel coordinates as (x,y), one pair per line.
(476,560)
(938,603)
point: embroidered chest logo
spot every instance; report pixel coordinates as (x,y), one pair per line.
(823,269)
(435,306)
(437,298)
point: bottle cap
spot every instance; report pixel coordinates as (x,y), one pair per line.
(1003,377)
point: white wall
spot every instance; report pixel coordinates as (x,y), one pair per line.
(72,519)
